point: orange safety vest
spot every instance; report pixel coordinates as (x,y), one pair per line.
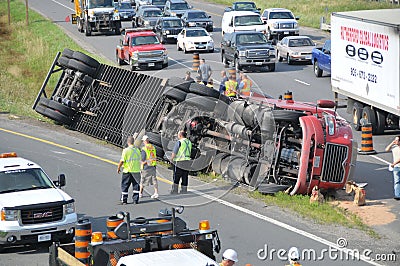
(230,88)
(245,91)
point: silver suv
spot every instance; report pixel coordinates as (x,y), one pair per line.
(280,23)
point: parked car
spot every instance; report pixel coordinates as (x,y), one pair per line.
(147,17)
(295,48)
(125,10)
(194,39)
(176,8)
(158,3)
(243,6)
(197,18)
(168,28)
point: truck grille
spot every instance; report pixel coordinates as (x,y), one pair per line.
(257,53)
(286,25)
(151,54)
(335,157)
(42,214)
(174,31)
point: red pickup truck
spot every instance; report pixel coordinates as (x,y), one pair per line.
(141,48)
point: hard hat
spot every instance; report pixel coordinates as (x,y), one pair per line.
(230,254)
(294,254)
(145,137)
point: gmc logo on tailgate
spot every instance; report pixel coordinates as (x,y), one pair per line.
(363,54)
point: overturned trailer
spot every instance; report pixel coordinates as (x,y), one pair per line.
(269,144)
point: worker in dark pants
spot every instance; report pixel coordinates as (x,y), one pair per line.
(180,158)
(130,160)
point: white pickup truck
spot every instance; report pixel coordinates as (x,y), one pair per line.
(33,208)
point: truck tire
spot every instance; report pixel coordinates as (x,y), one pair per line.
(63,61)
(380,122)
(87,60)
(280,58)
(289,60)
(287,115)
(159,151)
(369,116)
(133,68)
(57,106)
(271,67)
(81,67)
(357,114)
(52,114)
(203,90)
(178,48)
(206,104)
(68,53)
(117,29)
(120,62)
(317,71)
(175,94)
(179,83)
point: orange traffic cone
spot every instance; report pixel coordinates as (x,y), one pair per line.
(67,19)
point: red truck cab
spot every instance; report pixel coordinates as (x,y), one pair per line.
(141,48)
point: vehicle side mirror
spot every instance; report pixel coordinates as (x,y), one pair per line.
(327,52)
(297,18)
(209,16)
(124,43)
(264,21)
(227,9)
(61,181)
(228,43)
(259,8)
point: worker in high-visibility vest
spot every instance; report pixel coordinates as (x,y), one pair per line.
(180,157)
(231,87)
(245,86)
(149,162)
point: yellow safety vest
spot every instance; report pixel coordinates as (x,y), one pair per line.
(184,151)
(246,87)
(230,88)
(131,158)
(151,158)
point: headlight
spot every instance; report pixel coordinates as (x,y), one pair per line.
(295,25)
(192,24)
(69,208)
(147,22)
(135,55)
(173,13)
(91,13)
(166,32)
(242,53)
(189,42)
(165,52)
(9,215)
(210,23)
(275,25)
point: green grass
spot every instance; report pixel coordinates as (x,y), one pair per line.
(310,12)
(26,53)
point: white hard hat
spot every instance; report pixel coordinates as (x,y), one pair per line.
(294,254)
(145,137)
(230,254)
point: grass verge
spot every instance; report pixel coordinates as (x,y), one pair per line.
(26,52)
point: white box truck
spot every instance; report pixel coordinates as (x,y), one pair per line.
(365,65)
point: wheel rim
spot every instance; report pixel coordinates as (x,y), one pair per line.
(316,68)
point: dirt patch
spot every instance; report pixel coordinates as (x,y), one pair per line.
(373,213)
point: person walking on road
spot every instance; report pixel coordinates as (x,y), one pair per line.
(130,161)
(204,71)
(394,146)
(149,162)
(229,257)
(223,80)
(180,157)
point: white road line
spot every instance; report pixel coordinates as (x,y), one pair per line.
(349,252)
(61,4)
(302,82)
(380,159)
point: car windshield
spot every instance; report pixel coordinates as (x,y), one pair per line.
(152,13)
(158,2)
(300,42)
(196,33)
(244,6)
(193,15)
(281,15)
(100,3)
(251,39)
(124,6)
(143,40)
(248,20)
(172,23)
(24,179)
(179,6)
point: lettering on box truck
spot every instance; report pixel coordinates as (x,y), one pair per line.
(365,61)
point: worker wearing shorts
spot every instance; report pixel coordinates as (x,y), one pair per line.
(149,162)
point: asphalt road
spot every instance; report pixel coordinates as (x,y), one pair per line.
(239,230)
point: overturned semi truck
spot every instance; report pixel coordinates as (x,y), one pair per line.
(269,144)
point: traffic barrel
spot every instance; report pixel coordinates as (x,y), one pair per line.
(196,61)
(366,140)
(288,96)
(83,234)
(112,222)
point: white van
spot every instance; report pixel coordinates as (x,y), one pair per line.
(242,21)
